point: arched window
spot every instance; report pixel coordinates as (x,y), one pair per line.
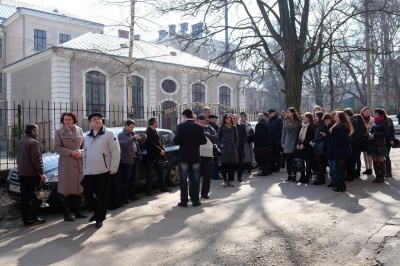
(198,93)
(168,85)
(225,96)
(95,92)
(137,97)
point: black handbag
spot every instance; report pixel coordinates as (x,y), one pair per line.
(319,148)
(161,163)
(396,144)
(297,162)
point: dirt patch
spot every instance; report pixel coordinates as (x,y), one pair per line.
(9,209)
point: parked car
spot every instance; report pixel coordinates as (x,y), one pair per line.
(50,163)
(395,124)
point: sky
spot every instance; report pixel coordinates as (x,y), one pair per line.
(113,16)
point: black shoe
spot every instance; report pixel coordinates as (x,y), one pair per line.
(367,172)
(240,180)
(99,224)
(80,215)
(134,198)
(36,220)
(93,218)
(319,182)
(68,217)
(149,194)
(205,197)
(182,204)
(165,190)
(289,178)
(331,185)
(339,189)
(195,204)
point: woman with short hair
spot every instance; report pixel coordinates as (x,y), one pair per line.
(69,144)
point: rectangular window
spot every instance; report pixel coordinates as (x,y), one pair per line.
(1,117)
(1,48)
(64,38)
(39,40)
(1,82)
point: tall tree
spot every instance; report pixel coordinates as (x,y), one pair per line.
(281,31)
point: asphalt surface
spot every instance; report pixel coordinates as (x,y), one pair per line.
(262,221)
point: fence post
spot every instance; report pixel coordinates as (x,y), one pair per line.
(19,121)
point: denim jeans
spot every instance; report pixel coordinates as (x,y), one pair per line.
(333,171)
(193,170)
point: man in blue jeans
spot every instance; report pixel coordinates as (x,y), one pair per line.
(189,136)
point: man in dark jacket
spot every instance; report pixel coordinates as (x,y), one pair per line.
(130,159)
(275,126)
(212,122)
(242,134)
(30,172)
(154,147)
(263,146)
(189,136)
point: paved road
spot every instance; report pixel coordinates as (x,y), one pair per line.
(263,221)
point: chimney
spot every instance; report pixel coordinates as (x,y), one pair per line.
(162,34)
(136,37)
(123,34)
(172,30)
(197,30)
(184,27)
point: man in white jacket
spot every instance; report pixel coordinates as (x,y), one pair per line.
(206,155)
(101,156)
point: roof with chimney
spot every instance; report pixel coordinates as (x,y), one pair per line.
(142,50)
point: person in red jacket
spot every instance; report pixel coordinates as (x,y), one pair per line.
(30,173)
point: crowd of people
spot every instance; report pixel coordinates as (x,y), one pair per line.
(307,144)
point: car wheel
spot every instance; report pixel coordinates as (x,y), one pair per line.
(173,175)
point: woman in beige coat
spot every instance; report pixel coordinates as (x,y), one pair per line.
(69,141)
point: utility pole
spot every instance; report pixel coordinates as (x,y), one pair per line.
(130,59)
(226,36)
(368,55)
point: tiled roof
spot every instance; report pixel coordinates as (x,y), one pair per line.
(8,8)
(112,46)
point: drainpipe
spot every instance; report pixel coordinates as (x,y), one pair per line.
(238,91)
(71,81)
(23,36)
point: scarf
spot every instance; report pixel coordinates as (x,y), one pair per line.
(70,131)
(303,131)
(379,120)
(366,118)
(291,124)
(229,125)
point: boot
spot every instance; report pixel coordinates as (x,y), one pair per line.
(388,169)
(230,184)
(377,170)
(67,216)
(77,207)
(226,184)
(289,178)
(381,177)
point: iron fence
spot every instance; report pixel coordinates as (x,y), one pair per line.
(47,115)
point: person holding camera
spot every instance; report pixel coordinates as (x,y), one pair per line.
(129,143)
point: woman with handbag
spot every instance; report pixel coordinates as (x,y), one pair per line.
(306,134)
(377,148)
(291,127)
(228,136)
(338,148)
(369,121)
(318,143)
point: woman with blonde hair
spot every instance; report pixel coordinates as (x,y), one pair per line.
(339,147)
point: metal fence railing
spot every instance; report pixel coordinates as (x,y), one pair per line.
(47,116)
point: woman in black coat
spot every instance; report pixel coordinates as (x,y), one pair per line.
(338,148)
(377,148)
(319,149)
(389,142)
(306,134)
